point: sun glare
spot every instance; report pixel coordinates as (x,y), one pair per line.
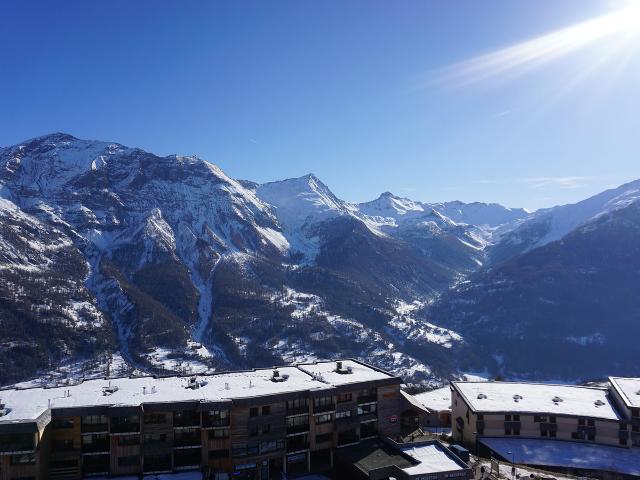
(623,24)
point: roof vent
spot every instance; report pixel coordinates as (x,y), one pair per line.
(481,396)
(557,400)
(638,392)
(343,370)
(598,403)
(193,383)
(276,377)
(517,398)
(109,389)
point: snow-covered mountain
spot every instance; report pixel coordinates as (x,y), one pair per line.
(176,264)
(551,224)
(168,264)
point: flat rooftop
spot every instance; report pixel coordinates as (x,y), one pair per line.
(413,458)
(26,405)
(436,400)
(431,458)
(566,454)
(629,390)
(498,397)
(359,372)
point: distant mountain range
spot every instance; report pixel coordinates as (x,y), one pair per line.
(112,256)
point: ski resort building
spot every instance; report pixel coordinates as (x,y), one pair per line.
(567,427)
(249,424)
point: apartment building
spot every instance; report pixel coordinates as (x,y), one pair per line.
(253,424)
(625,393)
(525,410)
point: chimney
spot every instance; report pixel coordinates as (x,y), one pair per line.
(144,390)
(339,365)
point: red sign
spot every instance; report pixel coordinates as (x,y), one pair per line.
(393,418)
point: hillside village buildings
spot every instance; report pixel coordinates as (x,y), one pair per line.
(253,424)
(266,423)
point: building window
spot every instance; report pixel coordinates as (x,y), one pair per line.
(322,403)
(544,433)
(552,433)
(219,433)
(591,422)
(623,441)
(299,405)
(266,410)
(552,419)
(345,397)
(271,446)
(581,421)
(132,461)
(324,418)
(253,412)
(253,430)
(507,418)
(266,428)
(155,437)
(591,437)
(60,423)
(367,409)
(507,431)
(128,440)
(343,414)
(155,418)
(540,418)
(26,459)
(516,418)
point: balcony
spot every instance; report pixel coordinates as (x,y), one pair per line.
(291,429)
(369,398)
(125,427)
(17,443)
(98,446)
(301,410)
(297,445)
(210,422)
(186,419)
(187,439)
(94,427)
(327,407)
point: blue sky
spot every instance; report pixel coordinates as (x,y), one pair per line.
(361,93)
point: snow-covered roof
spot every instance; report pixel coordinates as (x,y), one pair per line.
(538,398)
(327,372)
(629,390)
(432,458)
(436,400)
(559,453)
(28,404)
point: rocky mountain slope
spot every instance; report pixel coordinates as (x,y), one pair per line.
(569,309)
(174,265)
(166,264)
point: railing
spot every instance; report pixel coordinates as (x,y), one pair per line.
(298,410)
(187,441)
(324,408)
(94,427)
(297,428)
(210,422)
(97,447)
(9,447)
(297,446)
(125,427)
(368,398)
